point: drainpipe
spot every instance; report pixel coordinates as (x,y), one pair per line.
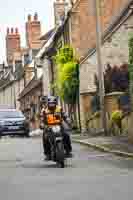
(35,69)
(46,76)
(14,91)
(78,98)
(51,67)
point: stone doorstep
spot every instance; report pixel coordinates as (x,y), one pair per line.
(104,149)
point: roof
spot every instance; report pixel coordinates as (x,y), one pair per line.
(116,22)
(49,44)
(6,83)
(5,80)
(47,35)
(46,47)
(32,84)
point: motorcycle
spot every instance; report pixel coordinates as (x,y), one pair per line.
(55,137)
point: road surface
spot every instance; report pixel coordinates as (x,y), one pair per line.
(24,175)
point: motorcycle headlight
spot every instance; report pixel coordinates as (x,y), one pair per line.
(56,129)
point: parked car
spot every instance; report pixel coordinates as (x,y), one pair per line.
(13,122)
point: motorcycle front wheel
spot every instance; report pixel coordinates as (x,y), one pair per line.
(60,154)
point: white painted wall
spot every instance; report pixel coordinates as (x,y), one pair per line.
(10,94)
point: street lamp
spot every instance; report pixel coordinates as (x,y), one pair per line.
(100,65)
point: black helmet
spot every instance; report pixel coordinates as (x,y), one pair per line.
(43,99)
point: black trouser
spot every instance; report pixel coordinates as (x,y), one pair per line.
(66,141)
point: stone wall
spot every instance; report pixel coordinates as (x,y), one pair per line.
(87,73)
(114,51)
(9,94)
(83,21)
(85,109)
(94,123)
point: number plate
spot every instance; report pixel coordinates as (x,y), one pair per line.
(58,138)
(13,127)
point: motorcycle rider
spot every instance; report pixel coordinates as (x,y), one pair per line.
(50,109)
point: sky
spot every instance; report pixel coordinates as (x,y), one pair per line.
(13,13)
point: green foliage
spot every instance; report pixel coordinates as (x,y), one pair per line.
(116,115)
(130,67)
(64,55)
(67,81)
(130,44)
(116,122)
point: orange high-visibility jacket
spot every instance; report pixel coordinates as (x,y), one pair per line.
(53,118)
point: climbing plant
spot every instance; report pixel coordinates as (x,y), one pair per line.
(130,44)
(66,84)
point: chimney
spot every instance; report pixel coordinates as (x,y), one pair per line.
(33,32)
(60,7)
(12,44)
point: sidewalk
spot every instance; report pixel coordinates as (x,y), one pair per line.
(117,145)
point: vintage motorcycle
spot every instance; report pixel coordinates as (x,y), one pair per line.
(55,137)
(54,132)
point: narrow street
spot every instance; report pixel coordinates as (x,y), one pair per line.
(89,175)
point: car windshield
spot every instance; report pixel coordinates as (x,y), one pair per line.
(10,114)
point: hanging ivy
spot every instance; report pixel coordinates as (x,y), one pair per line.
(67,80)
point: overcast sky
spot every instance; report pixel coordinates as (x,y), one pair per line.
(13,13)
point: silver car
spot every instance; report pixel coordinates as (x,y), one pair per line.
(13,122)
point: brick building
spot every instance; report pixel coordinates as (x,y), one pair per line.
(20,69)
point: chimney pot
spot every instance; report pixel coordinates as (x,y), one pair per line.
(36,17)
(16,30)
(8,31)
(12,31)
(29,17)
